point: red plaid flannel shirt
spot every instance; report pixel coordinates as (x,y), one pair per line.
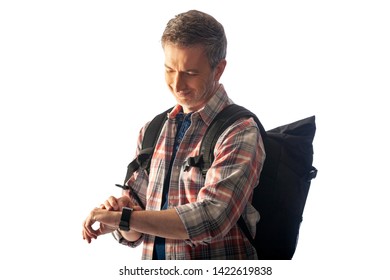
(208,207)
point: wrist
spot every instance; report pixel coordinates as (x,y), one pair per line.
(124,223)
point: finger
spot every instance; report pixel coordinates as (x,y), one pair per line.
(90,233)
(107,206)
(112,202)
(124,201)
(89,222)
(86,236)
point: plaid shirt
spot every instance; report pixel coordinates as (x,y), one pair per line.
(208,207)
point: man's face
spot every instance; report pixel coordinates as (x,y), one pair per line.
(189,76)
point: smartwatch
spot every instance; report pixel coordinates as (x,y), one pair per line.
(124,224)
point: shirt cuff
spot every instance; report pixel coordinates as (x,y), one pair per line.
(119,237)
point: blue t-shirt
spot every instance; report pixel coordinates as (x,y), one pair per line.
(183,123)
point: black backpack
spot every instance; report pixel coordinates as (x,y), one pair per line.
(284,182)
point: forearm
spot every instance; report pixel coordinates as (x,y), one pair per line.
(130,235)
(165,223)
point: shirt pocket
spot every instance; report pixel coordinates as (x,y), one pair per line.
(191,182)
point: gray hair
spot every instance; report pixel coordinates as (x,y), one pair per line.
(197,28)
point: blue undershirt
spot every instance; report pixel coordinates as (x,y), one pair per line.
(183,123)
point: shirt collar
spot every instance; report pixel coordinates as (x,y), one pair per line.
(217,102)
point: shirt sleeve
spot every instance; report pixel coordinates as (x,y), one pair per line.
(118,237)
(138,182)
(238,159)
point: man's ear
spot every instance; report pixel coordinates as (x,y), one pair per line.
(219,70)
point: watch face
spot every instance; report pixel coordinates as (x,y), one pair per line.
(125,219)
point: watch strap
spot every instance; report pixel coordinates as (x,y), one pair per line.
(124,223)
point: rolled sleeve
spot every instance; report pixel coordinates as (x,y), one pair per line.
(119,237)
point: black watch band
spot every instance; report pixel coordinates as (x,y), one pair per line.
(125,218)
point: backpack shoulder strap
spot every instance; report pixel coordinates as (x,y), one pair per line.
(221,122)
(149,141)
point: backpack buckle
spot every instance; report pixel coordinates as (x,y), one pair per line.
(192,162)
(312,174)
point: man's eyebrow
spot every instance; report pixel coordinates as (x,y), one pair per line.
(186,70)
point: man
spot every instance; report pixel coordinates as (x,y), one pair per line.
(186,215)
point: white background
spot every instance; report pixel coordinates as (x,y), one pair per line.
(78,79)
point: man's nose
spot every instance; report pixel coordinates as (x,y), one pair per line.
(178,81)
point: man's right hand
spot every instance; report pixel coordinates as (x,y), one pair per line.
(116,204)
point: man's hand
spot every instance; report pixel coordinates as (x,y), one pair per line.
(107,216)
(108,222)
(116,204)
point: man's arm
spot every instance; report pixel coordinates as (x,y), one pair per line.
(164,223)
